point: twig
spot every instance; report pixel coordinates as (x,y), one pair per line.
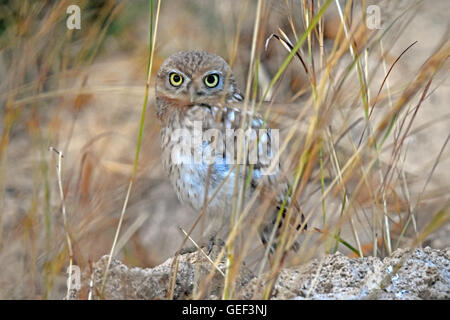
(63,209)
(201,250)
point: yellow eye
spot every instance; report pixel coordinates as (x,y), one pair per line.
(175,79)
(212,80)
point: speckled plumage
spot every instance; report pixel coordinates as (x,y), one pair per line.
(179,107)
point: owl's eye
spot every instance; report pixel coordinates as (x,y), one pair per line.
(175,79)
(212,80)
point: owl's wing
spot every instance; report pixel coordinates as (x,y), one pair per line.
(261,143)
(262,147)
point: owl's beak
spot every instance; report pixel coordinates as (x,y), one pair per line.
(192,93)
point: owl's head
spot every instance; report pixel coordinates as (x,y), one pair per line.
(190,78)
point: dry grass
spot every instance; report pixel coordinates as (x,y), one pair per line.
(363,116)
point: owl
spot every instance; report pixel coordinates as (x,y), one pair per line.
(196,93)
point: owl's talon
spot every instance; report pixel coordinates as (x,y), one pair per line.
(214,242)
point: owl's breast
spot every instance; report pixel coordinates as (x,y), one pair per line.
(184,162)
(196,140)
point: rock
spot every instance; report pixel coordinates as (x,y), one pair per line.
(153,283)
(406,274)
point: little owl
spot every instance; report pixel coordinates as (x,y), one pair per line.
(197,90)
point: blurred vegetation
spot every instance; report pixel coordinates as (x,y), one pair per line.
(81,91)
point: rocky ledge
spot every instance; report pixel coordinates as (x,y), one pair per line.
(406,274)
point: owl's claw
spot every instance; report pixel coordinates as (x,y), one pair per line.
(214,242)
(186,250)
